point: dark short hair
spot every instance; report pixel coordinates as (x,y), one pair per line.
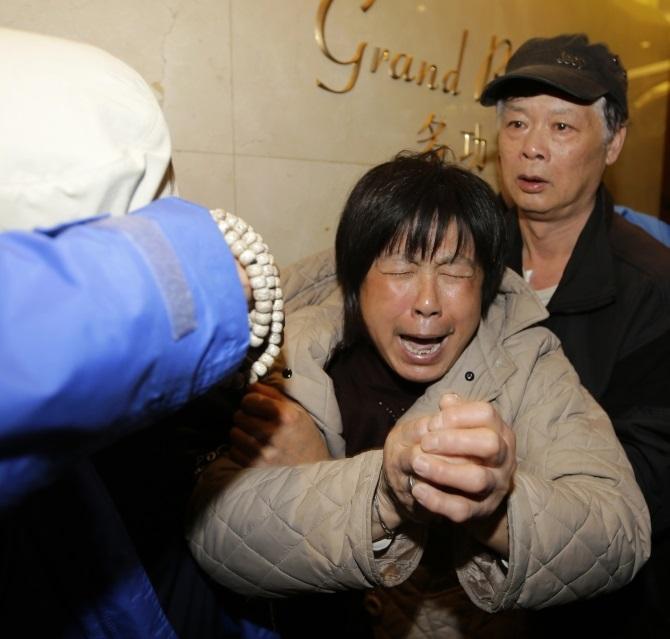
(615,116)
(412,199)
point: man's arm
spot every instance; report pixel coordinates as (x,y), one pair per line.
(638,402)
(105,322)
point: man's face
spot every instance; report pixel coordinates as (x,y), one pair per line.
(421,314)
(553,154)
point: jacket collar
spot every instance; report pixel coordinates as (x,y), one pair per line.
(588,280)
(515,309)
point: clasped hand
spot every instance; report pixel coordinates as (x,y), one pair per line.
(463,460)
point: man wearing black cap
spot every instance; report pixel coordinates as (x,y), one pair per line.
(562,114)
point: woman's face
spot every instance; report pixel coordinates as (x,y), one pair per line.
(421,314)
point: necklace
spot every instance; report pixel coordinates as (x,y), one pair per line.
(266,318)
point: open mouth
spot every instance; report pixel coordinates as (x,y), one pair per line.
(421,346)
(531,182)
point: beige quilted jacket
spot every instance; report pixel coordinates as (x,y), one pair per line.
(578,525)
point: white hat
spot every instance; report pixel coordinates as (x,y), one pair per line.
(81,133)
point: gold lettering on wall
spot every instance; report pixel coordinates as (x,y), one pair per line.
(474,149)
(474,144)
(454,75)
(400,67)
(434,129)
(356,59)
(486,71)
(401,64)
(405,66)
(378,57)
(432,71)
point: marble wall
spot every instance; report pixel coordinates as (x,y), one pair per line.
(252,131)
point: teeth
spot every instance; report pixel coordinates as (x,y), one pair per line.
(421,349)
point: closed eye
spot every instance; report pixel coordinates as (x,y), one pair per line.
(458,273)
(458,269)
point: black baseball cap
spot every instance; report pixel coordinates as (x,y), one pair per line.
(567,63)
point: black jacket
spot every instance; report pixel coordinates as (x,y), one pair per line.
(611,311)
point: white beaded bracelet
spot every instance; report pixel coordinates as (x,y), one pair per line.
(266,319)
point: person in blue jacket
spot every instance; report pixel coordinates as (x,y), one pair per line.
(654,226)
(105,323)
(102,324)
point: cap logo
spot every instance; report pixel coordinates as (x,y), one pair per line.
(571,60)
